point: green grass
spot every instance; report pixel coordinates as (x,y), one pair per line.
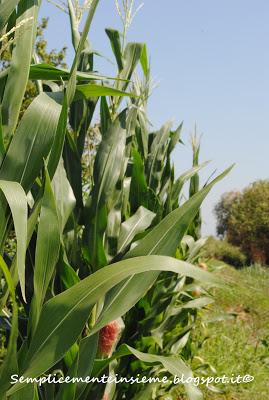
(238,343)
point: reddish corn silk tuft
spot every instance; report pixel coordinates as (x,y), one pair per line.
(105,397)
(108,337)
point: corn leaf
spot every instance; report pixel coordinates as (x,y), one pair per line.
(172,364)
(6,9)
(175,138)
(20,65)
(32,142)
(92,90)
(28,148)
(10,364)
(144,61)
(17,201)
(58,143)
(156,156)
(163,239)
(85,360)
(107,172)
(166,236)
(48,72)
(137,223)
(64,316)
(47,249)
(63,194)
(105,115)
(115,42)
(131,57)
(29,392)
(2,145)
(181,180)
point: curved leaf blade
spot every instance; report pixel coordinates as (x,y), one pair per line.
(139,222)
(20,64)
(93,90)
(163,239)
(32,141)
(6,9)
(17,201)
(65,315)
(10,364)
(47,249)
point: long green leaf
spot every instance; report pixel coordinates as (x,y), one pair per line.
(115,42)
(17,201)
(71,86)
(157,153)
(165,237)
(92,90)
(6,9)
(2,145)
(107,169)
(20,64)
(139,222)
(172,364)
(10,364)
(47,249)
(32,141)
(139,188)
(63,193)
(49,72)
(29,147)
(32,221)
(163,240)
(131,57)
(58,143)
(87,352)
(144,61)
(29,392)
(182,179)
(64,316)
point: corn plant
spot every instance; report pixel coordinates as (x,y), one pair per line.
(195,227)
(91,240)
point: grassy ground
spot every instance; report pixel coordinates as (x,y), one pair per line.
(238,334)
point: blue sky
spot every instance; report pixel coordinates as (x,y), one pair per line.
(211,60)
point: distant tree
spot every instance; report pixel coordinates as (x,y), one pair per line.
(223,210)
(243,219)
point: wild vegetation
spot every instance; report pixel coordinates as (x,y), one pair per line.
(234,339)
(224,251)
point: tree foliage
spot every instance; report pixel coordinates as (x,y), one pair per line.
(243,218)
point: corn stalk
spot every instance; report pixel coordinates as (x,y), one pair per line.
(91,238)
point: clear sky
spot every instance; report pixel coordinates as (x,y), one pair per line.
(211,60)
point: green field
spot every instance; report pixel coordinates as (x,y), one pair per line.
(238,336)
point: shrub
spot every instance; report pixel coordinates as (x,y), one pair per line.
(224,251)
(243,218)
